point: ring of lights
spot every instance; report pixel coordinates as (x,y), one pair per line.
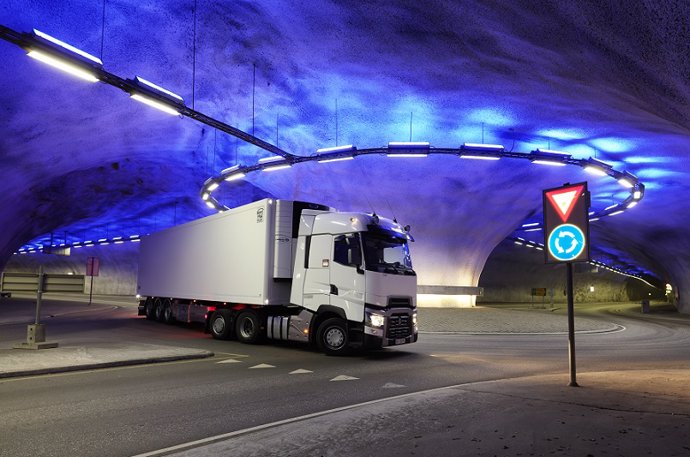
(418,149)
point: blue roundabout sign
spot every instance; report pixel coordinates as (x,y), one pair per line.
(566,242)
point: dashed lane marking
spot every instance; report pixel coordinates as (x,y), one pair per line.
(261,365)
(301,371)
(343,377)
(230,361)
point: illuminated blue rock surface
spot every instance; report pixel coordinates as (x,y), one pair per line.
(82,161)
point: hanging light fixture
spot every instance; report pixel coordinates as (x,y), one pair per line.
(64,57)
(156,96)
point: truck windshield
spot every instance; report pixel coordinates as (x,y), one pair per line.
(387,253)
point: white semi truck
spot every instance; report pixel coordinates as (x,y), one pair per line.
(284,270)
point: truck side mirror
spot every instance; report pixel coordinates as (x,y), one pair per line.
(354,256)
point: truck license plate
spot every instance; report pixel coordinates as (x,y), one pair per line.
(400,341)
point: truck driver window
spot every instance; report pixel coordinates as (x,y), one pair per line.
(347,250)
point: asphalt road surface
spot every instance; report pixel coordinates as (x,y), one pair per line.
(132,410)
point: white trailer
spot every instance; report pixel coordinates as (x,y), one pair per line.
(284,270)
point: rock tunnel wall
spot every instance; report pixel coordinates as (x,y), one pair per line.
(509,276)
(118,267)
(512,271)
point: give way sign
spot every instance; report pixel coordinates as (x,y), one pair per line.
(566,223)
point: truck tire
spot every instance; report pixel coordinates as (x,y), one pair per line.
(158,309)
(248,327)
(221,325)
(168,316)
(331,337)
(148,309)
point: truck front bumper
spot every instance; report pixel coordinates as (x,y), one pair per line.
(399,327)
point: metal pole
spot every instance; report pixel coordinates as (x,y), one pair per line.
(39,294)
(91,289)
(571,325)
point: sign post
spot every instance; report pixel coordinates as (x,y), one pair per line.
(36,333)
(538,292)
(566,232)
(92,267)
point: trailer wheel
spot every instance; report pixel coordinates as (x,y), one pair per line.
(221,326)
(167,317)
(158,309)
(332,338)
(248,327)
(148,309)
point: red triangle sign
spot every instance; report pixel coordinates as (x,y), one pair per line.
(563,200)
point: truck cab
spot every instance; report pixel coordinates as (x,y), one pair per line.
(354,272)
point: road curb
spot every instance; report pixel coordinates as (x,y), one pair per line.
(614,329)
(112,364)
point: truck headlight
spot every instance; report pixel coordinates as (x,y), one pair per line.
(376,320)
(414,319)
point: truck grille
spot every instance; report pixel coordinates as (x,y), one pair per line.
(399,326)
(399,302)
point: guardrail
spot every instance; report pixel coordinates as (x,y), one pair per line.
(28,283)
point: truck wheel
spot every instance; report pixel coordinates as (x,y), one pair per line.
(158,309)
(148,309)
(248,327)
(168,317)
(221,326)
(332,337)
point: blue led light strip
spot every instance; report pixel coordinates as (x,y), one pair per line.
(540,247)
(36,248)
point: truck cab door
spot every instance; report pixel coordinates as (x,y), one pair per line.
(317,285)
(347,276)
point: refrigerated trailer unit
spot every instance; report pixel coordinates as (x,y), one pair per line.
(284,270)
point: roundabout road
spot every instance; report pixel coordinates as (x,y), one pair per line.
(133,410)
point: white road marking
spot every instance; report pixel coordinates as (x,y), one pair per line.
(262,365)
(390,385)
(230,361)
(343,377)
(301,371)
